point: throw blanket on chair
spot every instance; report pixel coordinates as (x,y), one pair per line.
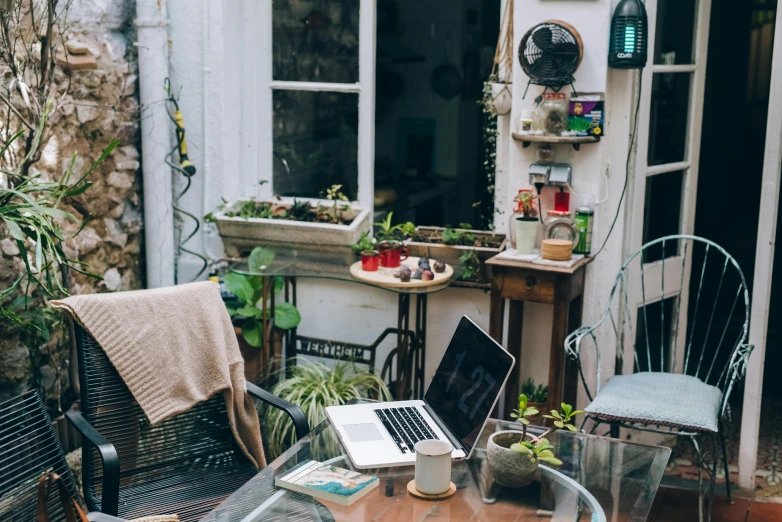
(174,347)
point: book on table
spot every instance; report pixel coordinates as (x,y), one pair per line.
(327,482)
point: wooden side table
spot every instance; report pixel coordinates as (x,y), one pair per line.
(520,281)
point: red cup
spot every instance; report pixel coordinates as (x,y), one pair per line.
(562,201)
(370,261)
(391,256)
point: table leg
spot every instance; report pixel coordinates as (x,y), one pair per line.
(403,324)
(570,392)
(496,306)
(515,321)
(420,334)
(556,373)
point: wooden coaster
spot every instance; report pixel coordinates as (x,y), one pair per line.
(557,249)
(442,496)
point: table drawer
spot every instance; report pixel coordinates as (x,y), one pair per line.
(528,285)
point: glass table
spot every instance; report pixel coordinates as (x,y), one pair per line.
(291,264)
(601,480)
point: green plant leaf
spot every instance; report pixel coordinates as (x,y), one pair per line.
(252,331)
(249,311)
(286,316)
(260,257)
(239,286)
(279,282)
(551,460)
(559,424)
(566,408)
(571,427)
(577,412)
(520,448)
(531,411)
(523,400)
(524,421)
(14,229)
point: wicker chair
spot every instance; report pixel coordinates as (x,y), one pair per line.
(28,449)
(682,377)
(185,465)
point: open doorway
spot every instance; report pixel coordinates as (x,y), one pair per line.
(735,113)
(432,58)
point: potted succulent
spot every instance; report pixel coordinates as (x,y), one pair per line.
(332,222)
(526,224)
(514,455)
(537,396)
(247,314)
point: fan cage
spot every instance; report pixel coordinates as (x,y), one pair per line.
(552,67)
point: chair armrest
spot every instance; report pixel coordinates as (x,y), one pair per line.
(109,456)
(295,413)
(97,516)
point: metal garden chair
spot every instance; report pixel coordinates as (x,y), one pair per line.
(185,465)
(29,448)
(686,350)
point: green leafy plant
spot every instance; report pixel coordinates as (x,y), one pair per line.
(334,193)
(458,236)
(489,143)
(388,232)
(535,393)
(539,448)
(562,419)
(527,201)
(313,387)
(249,291)
(364,244)
(471,265)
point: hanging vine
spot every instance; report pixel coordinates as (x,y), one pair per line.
(489,143)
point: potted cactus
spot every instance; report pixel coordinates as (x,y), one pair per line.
(514,455)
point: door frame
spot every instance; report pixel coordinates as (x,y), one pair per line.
(764,264)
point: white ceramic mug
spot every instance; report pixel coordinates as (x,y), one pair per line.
(433,466)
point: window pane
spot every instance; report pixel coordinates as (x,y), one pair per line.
(655,324)
(662,213)
(675,32)
(669,118)
(315,142)
(315,40)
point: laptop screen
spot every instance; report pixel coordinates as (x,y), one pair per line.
(468,381)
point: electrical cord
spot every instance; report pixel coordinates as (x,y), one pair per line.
(633,137)
(185,168)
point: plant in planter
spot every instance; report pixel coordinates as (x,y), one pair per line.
(538,396)
(500,78)
(526,231)
(513,459)
(313,387)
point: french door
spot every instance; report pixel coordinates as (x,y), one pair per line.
(666,159)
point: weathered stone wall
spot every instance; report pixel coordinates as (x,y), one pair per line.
(101,105)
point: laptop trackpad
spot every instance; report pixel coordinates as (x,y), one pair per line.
(362,432)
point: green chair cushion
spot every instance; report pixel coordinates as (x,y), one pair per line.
(655,398)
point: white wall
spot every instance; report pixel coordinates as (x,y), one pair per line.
(220,110)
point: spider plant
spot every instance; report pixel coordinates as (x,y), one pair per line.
(314,386)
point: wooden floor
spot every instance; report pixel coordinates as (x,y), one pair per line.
(678,505)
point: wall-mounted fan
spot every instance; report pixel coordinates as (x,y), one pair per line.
(550,53)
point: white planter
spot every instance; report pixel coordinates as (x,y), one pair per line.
(501,97)
(526,234)
(241,235)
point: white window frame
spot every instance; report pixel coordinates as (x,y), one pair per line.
(365,88)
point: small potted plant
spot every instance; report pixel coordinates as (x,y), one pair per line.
(537,396)
(514,455)
(501,73)
(391,240)
(526,232)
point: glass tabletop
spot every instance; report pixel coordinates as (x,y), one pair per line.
(601,480)
(315,263)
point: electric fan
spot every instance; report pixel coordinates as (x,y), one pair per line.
(550,53)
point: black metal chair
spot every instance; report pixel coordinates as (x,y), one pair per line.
(29,448)
(185,465)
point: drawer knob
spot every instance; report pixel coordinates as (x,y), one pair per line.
(530,281)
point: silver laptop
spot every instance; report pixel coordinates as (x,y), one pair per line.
(456,406)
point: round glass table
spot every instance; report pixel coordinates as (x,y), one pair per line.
(601,480)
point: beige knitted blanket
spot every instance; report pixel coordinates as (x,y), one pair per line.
(174,347)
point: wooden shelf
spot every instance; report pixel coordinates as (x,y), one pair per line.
(576,141)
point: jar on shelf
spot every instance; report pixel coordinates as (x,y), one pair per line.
(551,116)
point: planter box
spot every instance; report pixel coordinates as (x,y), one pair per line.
(451,253)
(241,235)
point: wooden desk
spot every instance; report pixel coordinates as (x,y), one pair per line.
(521,281)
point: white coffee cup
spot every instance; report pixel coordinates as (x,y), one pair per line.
(433,466)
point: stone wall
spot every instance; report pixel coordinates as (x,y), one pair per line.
(100,71)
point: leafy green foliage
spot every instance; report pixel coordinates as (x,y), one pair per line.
(471,265)
(249,291)
(538,449)
(458,236)
(562,419)
(489,142)
(385,231)
(535,393)
(313,387)
(522,412)
(364,244)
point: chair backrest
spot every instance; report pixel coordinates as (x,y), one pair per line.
(146,453)
(29,448)
(671,322)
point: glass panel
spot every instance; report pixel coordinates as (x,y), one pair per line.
(315,143)
(315,40)
(662,213)
(668,119)
(675,32)
(655,323)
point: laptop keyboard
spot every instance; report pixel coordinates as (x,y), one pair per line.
(406,427)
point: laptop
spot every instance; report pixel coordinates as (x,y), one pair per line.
(456,406)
